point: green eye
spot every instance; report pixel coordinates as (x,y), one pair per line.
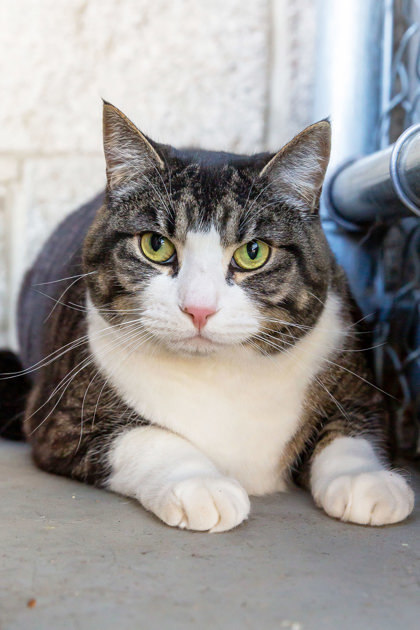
(252,255)
(156,247)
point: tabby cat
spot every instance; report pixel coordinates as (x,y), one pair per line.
(191,341)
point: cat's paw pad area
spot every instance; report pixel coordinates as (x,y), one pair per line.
(204,504)
(373,498)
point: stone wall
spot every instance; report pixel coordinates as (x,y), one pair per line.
(225,74)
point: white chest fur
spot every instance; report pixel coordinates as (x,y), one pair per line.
(238,407)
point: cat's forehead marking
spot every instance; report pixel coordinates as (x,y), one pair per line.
(222,218)
(206,197)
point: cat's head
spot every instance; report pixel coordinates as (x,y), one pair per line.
(204,250)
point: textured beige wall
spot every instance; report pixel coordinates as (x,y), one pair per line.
(190,72)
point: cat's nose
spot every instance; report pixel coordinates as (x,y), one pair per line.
(199,315)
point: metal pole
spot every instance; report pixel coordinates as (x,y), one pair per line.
(350,88)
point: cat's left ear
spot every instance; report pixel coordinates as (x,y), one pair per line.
(296,173)
(128,153)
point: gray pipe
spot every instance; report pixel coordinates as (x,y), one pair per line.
(382,186)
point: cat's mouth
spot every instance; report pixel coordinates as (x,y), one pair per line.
(197,344)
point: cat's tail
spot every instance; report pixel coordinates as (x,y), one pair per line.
(14,390)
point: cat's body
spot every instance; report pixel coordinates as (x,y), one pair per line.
(228,368)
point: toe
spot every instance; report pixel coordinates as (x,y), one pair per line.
(232,504)
(200,510)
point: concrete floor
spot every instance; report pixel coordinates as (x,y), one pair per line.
(94,560)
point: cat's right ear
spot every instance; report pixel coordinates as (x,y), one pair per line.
(128,153)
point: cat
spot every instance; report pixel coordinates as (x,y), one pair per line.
(202,344)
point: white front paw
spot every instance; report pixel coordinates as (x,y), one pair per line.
(372,498)
(213,504)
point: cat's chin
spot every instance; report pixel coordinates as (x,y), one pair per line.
(193,346)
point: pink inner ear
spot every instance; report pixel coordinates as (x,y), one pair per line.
(199,315)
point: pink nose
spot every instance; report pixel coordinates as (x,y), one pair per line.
(199,315)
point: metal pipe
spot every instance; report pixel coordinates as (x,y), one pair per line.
(382,186)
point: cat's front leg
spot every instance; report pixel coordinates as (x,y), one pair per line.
(349,482)
(175,481)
